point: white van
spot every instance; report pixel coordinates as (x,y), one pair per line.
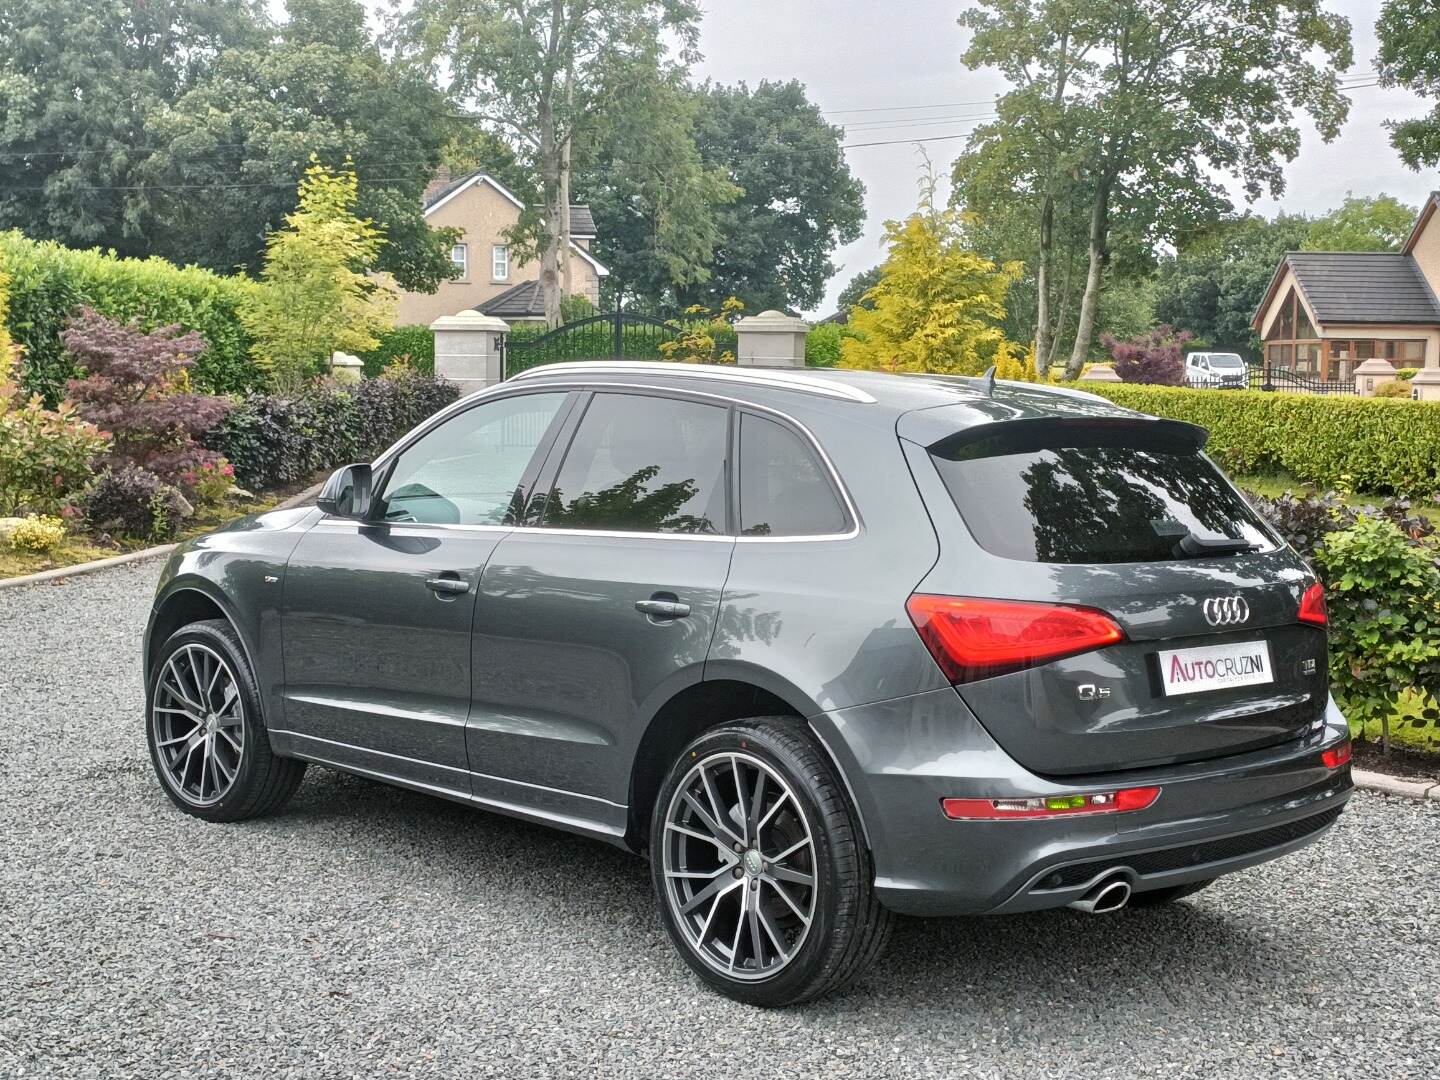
(1221,370)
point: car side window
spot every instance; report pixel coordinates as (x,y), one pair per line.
(643,464)
(784,489)
(466,470)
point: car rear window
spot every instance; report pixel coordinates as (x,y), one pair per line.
(1092,497)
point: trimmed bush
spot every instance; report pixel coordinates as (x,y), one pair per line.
(37,534)
(50,283)
(279,441)
(416,342)
(822,344)
(1363,444)
(130,501)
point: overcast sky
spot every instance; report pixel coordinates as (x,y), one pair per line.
(853,54)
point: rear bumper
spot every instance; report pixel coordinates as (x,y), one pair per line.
(900,758)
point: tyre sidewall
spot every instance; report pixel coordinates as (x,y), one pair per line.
(222,639)
(793,981)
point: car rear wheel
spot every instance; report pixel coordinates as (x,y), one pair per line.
(764,878)
(1156,897)
(205,731)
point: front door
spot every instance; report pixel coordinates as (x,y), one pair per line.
(377,614)
(604,608)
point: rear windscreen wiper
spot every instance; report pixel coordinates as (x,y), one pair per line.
(1199,546)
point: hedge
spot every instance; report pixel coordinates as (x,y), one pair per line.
(276,441)
(49,282)
(1365,444)
(415,341)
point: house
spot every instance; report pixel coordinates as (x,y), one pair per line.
(490,279)
(1326,311)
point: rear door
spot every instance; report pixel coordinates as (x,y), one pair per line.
(1130,518)
(377,614)
(604,606)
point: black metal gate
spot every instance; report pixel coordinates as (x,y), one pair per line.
(613,336)
(1264,377)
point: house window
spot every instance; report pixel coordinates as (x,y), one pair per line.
(460,256)
(500,262)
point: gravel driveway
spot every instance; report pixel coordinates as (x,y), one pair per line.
(370,931)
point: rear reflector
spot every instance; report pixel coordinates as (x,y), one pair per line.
(1312,606)
(972,638)
(1337,755)
(1101,802)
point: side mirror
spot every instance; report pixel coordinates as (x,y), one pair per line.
(347,493)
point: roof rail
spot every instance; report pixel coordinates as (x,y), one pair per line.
(772,377)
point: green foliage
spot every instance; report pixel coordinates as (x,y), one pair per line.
(1362,444)
(37,534)
(1383,592)
(50,283)
(823,344)
(313,297)
(798,199)
(853,294)
(701,335)
(1405,374)
(1400,388)
(274,441)
(1410,57)
(416,342)
(1362,224)
(938,305)
(576,307)
(45,455)
(1217,278)
(127,500)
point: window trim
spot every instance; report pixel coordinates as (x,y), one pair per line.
(499,255)
(464,262)
(577,389)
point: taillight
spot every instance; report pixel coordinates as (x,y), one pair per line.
(1337,755)
(1100,802)
(972,638)
(1312,606)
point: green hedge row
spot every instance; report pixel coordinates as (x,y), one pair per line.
(415,341)
(49,282)
(1366,444)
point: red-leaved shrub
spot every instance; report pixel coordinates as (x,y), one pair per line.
(1155,357)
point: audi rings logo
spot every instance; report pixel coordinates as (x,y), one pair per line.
(1226,610)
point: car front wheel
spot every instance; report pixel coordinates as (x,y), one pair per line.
(764,878)
(207,738)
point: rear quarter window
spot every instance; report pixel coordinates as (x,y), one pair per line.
(1093,497)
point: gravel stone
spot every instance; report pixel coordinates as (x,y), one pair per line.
(368,931)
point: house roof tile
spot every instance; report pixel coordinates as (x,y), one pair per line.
(1364,287)
(523,301)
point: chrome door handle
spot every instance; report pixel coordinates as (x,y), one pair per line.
(663,609)
(447,586)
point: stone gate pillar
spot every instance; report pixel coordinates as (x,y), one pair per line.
(771,339)
(469,349)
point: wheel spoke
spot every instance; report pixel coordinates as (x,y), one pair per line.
(772,931)
(692,875)
(735,945)
(174,686)
(710,915)
(757,800)
(230,739)
(775,886)
(753,911)
(720,815)
(200,748)
(740,801)
(784,795)
(717,831)
(795,877)
(782,856)
(720,885)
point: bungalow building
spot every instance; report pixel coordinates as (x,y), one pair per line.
(490,278)
(1326,311)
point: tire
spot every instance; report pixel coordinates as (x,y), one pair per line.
(1156,897)
(791,942)
(208,743)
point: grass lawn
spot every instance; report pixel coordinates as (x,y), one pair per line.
(80,549)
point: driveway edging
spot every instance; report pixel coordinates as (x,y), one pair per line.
(1385,784)
(42,576)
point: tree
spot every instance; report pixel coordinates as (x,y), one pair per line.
(1161,99)
(537,70)
(653,199)
(853,295)
(1409,33)
(79,83)
(317,86)
(937,306)
(1362,224)
(1216,279)
(312,298)
(799,198)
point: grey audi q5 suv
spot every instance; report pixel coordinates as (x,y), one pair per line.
(824,645)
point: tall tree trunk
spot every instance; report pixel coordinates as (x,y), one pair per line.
(1099,234)
(566,281)
(1042,287)
(550,242)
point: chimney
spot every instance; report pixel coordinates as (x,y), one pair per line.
(438,183)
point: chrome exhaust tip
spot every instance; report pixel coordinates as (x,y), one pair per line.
(1111,895)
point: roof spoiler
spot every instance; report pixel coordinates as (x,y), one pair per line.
(1047,432)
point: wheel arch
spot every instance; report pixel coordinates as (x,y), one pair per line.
(189,601)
